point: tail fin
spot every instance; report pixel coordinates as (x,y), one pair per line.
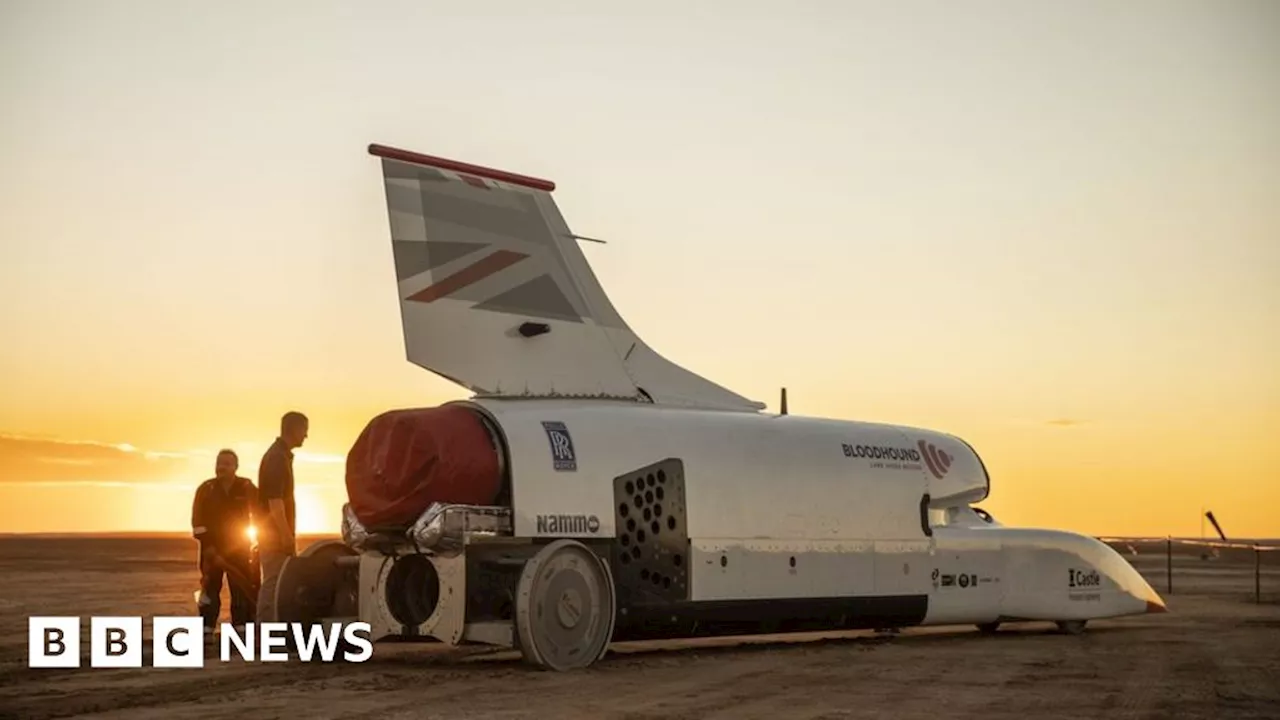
(496,295)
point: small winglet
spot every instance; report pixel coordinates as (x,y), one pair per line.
(391,153)
(497,296)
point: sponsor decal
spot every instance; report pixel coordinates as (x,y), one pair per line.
(1083,578)
(1085,597)
(567,524)
(962,580)
(179,642)
(563,457)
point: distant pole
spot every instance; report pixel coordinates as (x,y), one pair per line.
(1168,562)
(1257,575)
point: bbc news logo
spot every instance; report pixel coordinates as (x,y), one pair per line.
(179,642)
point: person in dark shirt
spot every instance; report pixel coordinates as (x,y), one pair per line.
(276,531)
(221,515)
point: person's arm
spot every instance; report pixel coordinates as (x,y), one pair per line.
(276,506)
(199,529)
(271,481)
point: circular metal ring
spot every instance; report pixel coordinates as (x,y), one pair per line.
(565,607)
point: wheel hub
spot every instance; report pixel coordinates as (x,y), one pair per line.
(569,609)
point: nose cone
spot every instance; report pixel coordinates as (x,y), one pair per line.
(1141,589)
(1142,597)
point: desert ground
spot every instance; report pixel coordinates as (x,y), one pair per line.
(1216,654)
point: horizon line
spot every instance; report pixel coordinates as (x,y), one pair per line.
(333,534)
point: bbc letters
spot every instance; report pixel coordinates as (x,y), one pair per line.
(179,642)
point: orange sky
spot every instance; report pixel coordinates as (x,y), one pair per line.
(1056,235)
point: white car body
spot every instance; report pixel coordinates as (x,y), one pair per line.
(765,522)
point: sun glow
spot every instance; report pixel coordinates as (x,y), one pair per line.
(312,514)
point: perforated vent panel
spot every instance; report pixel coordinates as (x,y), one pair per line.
(651,558)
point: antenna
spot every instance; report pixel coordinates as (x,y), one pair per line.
(784,402)
(588,239)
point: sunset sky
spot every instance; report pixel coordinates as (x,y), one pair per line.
(1052,228)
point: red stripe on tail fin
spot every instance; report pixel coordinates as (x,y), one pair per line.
(469,275)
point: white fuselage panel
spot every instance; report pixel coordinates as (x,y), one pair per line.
(748,475)
(794,507)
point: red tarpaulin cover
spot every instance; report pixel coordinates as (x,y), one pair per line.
(404,460)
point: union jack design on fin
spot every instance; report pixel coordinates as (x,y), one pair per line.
(480,252)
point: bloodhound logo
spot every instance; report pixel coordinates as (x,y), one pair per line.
(938,461)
